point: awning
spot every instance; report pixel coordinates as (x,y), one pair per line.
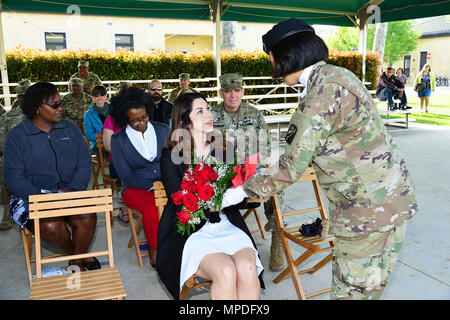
(329,12)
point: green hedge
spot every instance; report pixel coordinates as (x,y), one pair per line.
(41,65)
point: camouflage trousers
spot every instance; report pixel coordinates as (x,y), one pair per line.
(361,267)
(268,212)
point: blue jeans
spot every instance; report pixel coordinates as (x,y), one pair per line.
(390,95)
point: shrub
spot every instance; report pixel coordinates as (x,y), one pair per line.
(42,65)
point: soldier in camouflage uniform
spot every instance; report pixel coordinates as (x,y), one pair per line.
(90,79)
(76,103)
(9,120)
(22,86)
(233,115)
(338,129)
(185,81)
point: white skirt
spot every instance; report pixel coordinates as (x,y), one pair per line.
(218,237)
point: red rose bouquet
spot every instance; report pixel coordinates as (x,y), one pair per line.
(203,187)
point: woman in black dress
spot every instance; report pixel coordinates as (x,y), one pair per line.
(221,249)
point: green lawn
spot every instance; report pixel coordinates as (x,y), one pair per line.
(438,110)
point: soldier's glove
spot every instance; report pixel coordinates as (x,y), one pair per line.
(233,196)
(312,229)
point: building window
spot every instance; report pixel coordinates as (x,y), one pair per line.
(55,41)
(407,64)
(124,41)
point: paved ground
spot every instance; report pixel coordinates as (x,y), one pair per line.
(421,273)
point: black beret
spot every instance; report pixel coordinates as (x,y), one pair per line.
(282,30)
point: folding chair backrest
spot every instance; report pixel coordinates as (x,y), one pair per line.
(69,204)
(100,146)
(160,196)
(308,175)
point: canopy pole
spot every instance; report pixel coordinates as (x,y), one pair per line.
(218,46)
(363,49)
(3,66)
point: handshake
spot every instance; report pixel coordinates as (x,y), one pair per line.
(237,195)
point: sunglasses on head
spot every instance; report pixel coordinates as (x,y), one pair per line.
(155,88)
(54,106)
(102,94)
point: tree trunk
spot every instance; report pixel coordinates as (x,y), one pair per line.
(380,39)
(229,35)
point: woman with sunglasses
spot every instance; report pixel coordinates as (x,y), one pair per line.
(95,117)
(137,152)
(44,154)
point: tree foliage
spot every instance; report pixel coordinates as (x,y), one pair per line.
(401,39)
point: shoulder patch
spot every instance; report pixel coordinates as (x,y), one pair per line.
(290,135)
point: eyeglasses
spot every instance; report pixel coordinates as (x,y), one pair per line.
(155,88)
(102,94)
(54,106)
(135,123)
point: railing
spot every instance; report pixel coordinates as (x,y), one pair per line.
(275,114)
(290,99)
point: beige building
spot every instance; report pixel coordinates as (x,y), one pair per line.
(64,31)
(59,31)
(433,48)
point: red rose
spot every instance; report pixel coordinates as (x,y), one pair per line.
(199,167)
(184,216)
(189,186)
(209,173)
(178,198)
(190,201)
(205,192)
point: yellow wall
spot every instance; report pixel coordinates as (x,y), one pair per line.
(189,42)
(439,61)
(97,32)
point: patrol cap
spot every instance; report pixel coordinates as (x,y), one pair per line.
(76,82)
(83,63)
(22,86)
(230,81)
(185,76)
(282,30)
(124,85)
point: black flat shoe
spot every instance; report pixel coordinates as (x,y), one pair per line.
(95,265)
(153,265)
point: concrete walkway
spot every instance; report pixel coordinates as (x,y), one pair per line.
(422,271)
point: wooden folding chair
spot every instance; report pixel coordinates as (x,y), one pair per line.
(258,221)
(95,167)
(311,244)
(88,285)
(160,201)
(107,180)
(27,240)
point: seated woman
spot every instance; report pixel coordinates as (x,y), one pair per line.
(96,115)
(45,153)
(221,250)
(137,153)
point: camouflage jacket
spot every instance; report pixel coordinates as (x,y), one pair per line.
(173,95)
(89,82)
(8,120)
(337,127)
(246,118)
(74,109)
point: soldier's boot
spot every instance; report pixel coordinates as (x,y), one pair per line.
(277,258)
(6,222)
